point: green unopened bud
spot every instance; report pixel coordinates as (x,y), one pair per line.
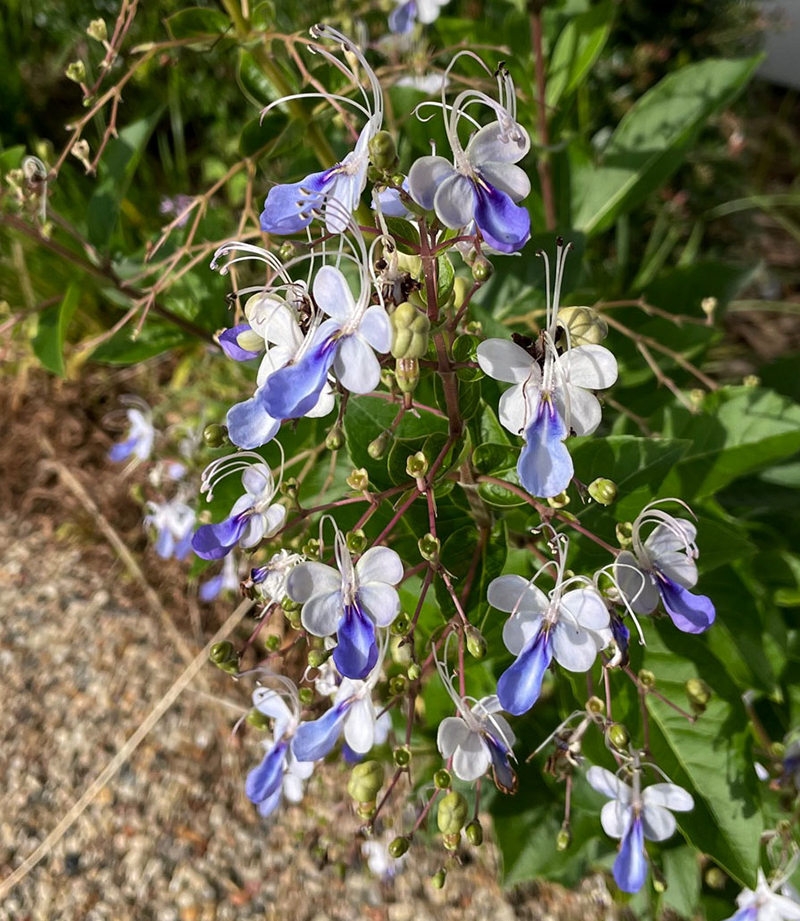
(398,847)
(563,838)
(273,642)
(439,879)
(584,326)
(366,780)
(476,643)
(318,657)
(461,288)
(482,269)
(417,465)
(215,435)
(406,374)
(334,439)
(401,625)
(452,813)
(401,756)
(560,501)
(366,811)
(474,833)
(358,479)
(410,330)
(659,881)
(414,672)
(356,541)
(595,705)
(222,652)
(97,30)
(618,736)
(603,491)
(646,678)
(257,720)
(312,549)
(699,694)
(398,685)
(777,750)
(289,604)
(306,696)
(293,619)
(287,250)
(715,879)
(377,448)
(624,532)
(442,779)
(751,380)
(382,151)
(429,547)
(76,71)
(401,651)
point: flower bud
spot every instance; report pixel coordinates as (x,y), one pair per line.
(406,374)
(715,879)
(401,757)
(474,833)
(699,694)
(603,491)
(563,838)
(366,811)
(358,480)
(312,549)
(215,435)
(80,150)
(257,720)
(618,736)
(334,439)
(222,652)
(414,672)
(410,327)
(287,250)
(442,779)
(356,541)
(401,625)
(624,532)
(76,71)
(377,448)
(482,269)
(97,30)
(646,678)
(708,305)
(398,847)
(287,603)
(429,547)
(595,705)
(476,643)
(659,880)
(751,380)
(318,657)
(272,642)
(461,288)
(560,501)
(289,487)
(584,325)
(366,780)
(439,879)
(397,685)
(452,814)
(293,618)
(306,696)
(416,465)
(401,651)
(382,151)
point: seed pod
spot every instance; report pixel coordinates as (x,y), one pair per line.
(482,269)
(401,625)
(410,328)
(603,491)
(474,833)
(442,779)
(366,780)
(398,847)
(222,652)
(452,814)
(439,879)
(476,643)
(618,736)
(398,685)
(356,541)
(311,549)
(215,435)
(401,757)
(562,500)
(429,547)
(382,151)
(646,678)
(595,705)
(699,694)
(584,325)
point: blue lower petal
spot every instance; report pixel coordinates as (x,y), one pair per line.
(313,740)
(265,779)
(214,541)
(123,449)
(350,756)
(545,465)
(357,650)
(165,544)
(505,226)
(622,637)
(690,613)
(505,777)
(630,867)
(210,590)
(229,344)
(403,17)
(270,804)
(288,207)
(249,424)
(520,685)
(745,914)
(183,547)
(291,392)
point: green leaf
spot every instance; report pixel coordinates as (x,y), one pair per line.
(682,873)
(473,558)
(48,343)
(494,494)
(576,50)
(272,130)
(155,338)
(255,84)
(683,289)
(197,22)
(653,137)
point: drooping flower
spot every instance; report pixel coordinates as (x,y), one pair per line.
(350,601)
(478,738)
(227,580)
(633,815)
(140,436)
(663,566)
(173,523)
(407,12)
(766,902)
(551,397)
(570,626)
(291,208)
(253,517)
(292,787)
(269,581)
(483,182)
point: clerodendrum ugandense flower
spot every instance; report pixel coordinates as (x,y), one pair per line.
(408,12)
(291,208)
(663,566)
(766,902)
(634,814)
(346,343)
(173,523)
(138,442)
(350,601)
(483,182)
(552,394)
(253,517)
(570,625)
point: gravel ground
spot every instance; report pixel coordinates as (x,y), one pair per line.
(172,837)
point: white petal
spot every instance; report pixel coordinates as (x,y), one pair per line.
(487,706)
(271,704)
(573,647)
(658,823)
(504,360)
(321,613)
(608,784)
(274,518)
(516,594)
(579,408)
(586,607)
(665,538)
(380,564)
(276,356)
(471,759)
(293,788)
(308,579)
(498,726)
(638,587)
(785,908)
(380,602)
(359,726)
(253,532)
(518,629)
(614,817)
(376,328)
(507,178)
(515,410)
(679,567)
(494,143)
(592,367)
(333,294)
(356,366)
(669,795)
(425,177)
(454,202)
(242,504)
(324,405)
(452,732)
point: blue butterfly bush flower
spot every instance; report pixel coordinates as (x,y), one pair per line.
(570,625)
(775,901)
(173,523)
(662,568)
(483,183)
(291,208)
(253,517)
(350,601)
(138,442)
(551,397)
(225,581)
(407,13)
(634,814)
